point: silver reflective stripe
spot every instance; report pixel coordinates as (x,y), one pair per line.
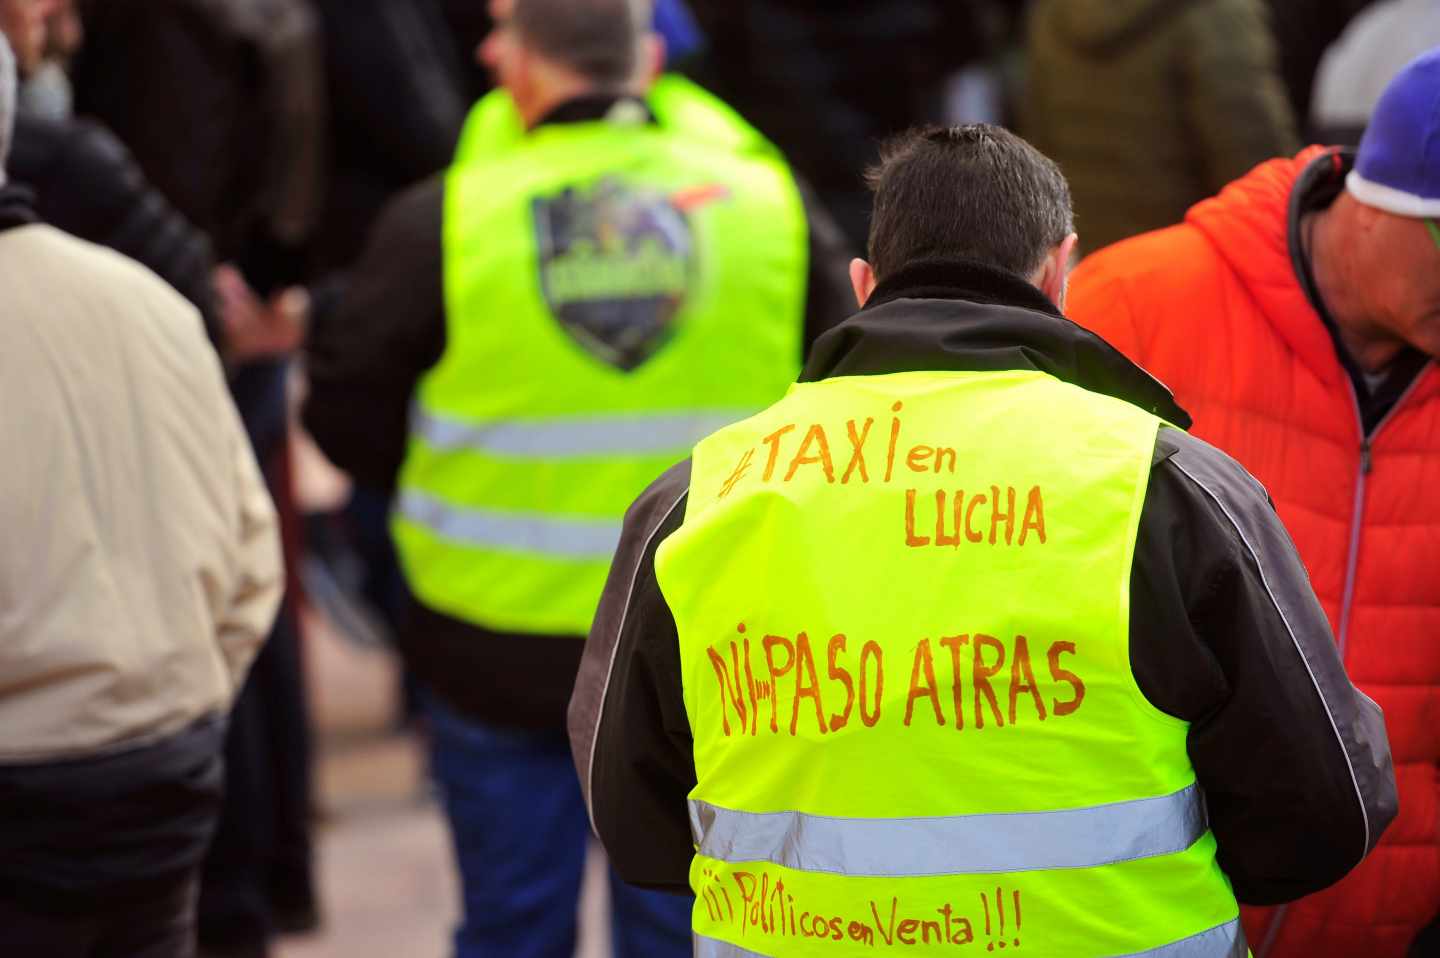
(964,844)
(715,948)
(1224,941)
(550,536)
(636,434)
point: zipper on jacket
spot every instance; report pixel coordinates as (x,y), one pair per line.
(1357,516)
(1352,565)
(1273,932)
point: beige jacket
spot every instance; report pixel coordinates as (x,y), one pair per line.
(140,565)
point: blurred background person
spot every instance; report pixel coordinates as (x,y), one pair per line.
(680,277)
(1151,105)
(827,81)
(223,106)
(396,88)
(1297,315)
(47,91)
(470,23)
(1357,67)
(84,180)
(1303,31)
(141,573)
(676,24)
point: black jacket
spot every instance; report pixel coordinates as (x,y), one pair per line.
(365,359)
(397,103)
(862,70)
(222,103)
(1225,631)
(87,184)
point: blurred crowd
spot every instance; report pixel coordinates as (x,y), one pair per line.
(263,157)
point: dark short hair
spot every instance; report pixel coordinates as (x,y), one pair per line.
(598,39)
(976,192)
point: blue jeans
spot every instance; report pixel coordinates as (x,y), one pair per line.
(520,831)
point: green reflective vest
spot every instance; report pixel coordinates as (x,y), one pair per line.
(903,612)
(614,291)
(494,124)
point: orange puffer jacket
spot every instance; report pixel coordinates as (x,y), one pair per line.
(1214,309)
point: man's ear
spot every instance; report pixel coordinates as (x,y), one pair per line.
(862,280)
(652,60)
(1056,271)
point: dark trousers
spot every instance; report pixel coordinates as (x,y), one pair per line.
(259,865)
(159,925)
(520,832)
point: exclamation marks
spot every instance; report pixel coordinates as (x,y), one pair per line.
(990,930)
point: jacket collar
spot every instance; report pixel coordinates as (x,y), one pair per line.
(590,107)
(961,316)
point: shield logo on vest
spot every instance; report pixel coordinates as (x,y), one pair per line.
(616,261)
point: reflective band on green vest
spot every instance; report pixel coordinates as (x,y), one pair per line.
(900,847)
(902,606)
(634,287)
(1222,941)
(576,437)
(541,535)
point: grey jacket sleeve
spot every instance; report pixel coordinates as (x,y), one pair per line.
(1228,635)
(628,728)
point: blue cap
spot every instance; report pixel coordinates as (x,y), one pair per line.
(675,22)
(1398,167)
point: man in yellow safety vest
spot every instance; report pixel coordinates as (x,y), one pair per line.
(965,639)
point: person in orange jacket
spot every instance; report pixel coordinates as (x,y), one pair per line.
(1297,316)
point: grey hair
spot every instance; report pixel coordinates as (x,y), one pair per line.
(601,40)
(8,83)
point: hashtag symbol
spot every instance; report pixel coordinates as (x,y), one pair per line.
(739,473)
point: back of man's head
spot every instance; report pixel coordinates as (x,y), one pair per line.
(7,103)
(975,192)
(601,41)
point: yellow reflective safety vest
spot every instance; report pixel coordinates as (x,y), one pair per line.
(494,123)
(903,612)
(615,290)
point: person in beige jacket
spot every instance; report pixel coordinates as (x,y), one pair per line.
(140,568)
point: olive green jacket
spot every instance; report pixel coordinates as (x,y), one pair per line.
(1152,105)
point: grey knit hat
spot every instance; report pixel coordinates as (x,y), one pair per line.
(8,82)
